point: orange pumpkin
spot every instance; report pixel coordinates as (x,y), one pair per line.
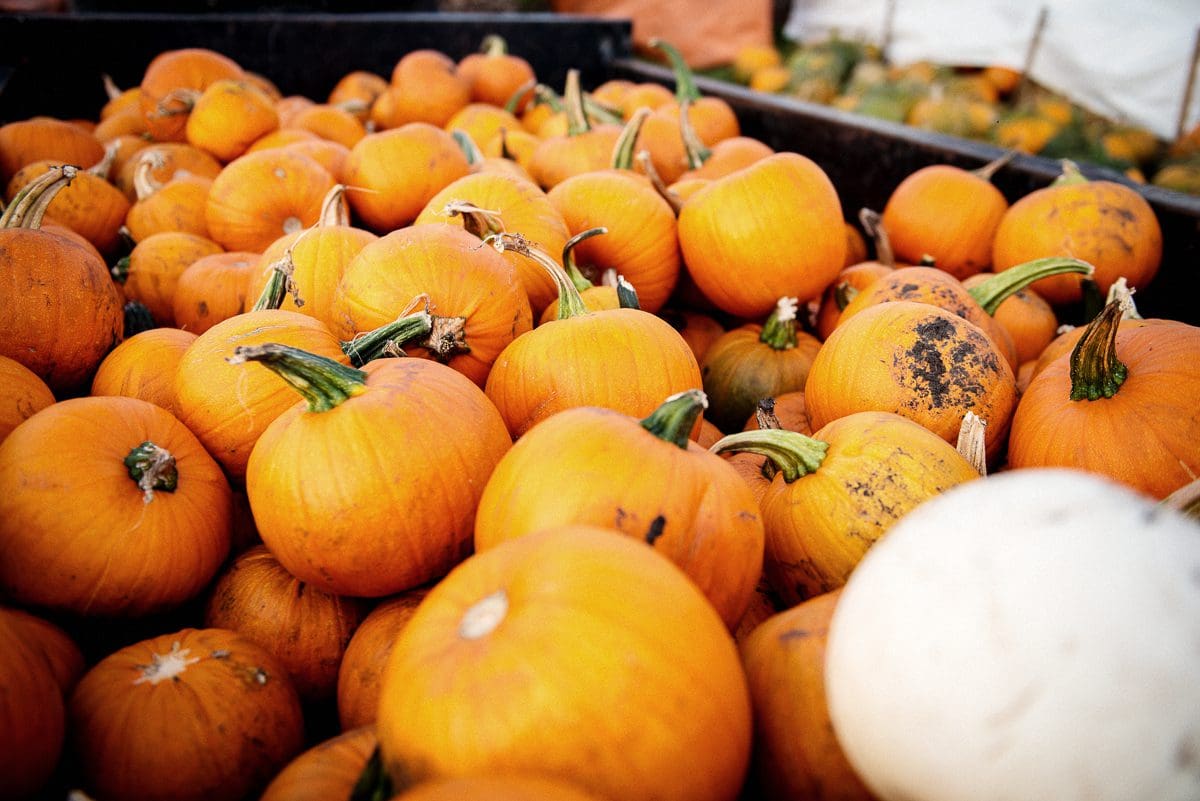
(282,138)
(155,266)
(32,718)
(396,172)
(139,524)
(328,770)
(495,788)
(178,160)
(431,438)
(194,714)
(229,115)
(331,155)
(212,289)
(261,196)
(622,359)
(916,360)
(174,80)
(1029,320)
(177,205)
(90,206)
(837,296)
(424,88)
(796,754)
(143,366)
(62,654)
(482,121)
(361,672)
(657,487)
(793,244)
(835,493)
(356,91)
(22,394)
(40,138)
(1121,404)
(1103,223)
(60,312)
(305,629)
(582,148)
(628,629)
(330,122)
(494,74)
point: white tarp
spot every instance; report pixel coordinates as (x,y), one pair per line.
(1127,61)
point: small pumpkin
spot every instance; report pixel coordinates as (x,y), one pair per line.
(155,266)
(356,91)
(176,205)
(63,655)
(22,394)
(32,717)
(494,73)
(228,116)
(143,366)
(40,138)
(331,123)
(425,88)
(330,769)
(179,159)
(172,83)
(212,289)
(90,206)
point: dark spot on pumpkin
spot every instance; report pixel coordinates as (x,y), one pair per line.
(202,309)
(795,634)
(925,362)
(908,290)
(656,529)
(300,588)
(1119,211)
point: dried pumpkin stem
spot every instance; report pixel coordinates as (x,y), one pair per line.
(779,331)
(1096,372)
(333,208)
(577,119)
(494,45)
(153,469)
(1121,292)
(697,151)
(622,158)
(581,281)
(685,81)
(111,90)
(28,206)
(764,414)
(324,383)
(1186,499)
(672,197)
(792,452)
(176,102)
(1071,176)
(972,444)
(872,223)
(570,304)
(407,329)
(989,170)
(627,296)
(104,166)
(144,183)
(674,420)
(476,221)
(1000,287)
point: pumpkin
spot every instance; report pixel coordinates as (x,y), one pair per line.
(331,155)
(178,160)
(1029,320)
(618,625)
(494,74)
(482,121)
(699,330)
(287,108)
(174,80)
(361,671)
(229,115)
(582,148)
(261,196)
(213,288)
(496,788)
(796,754)
(62,654)
(282,138)
(138,524)
(656,487)
(916,360)
(837,296)
(755,361)
(330,122)
(948,213)
(1121,404)
(1106,224)
(356,91)
(177,205)
(744,263)
(90,206)
(227,406)
(470,289)
(834,494)
(622,359)
(986,584)
(330,769)
(305,629)
(399,171)
(406,434)
(505,203)
(155,266)
(60,312)
(22,394)
(32,718)
(726,156)
(41,138)
(193,714)
(143,366)
(425,88)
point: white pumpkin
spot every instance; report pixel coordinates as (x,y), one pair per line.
(1034,635)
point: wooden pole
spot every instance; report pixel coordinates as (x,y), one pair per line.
(1186,104)
(889,24)
(1034,45)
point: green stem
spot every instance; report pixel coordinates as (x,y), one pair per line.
(517,100)
(577,119)
(697,151)
(1071,176)
(374,783)
(995,290)
(324,383)
(569,302)
(627,296)
(1096,372)
(622,158)
(843,293)
(468,146)
(120,270)
(779,331)
(28,206)
(278,285)
(685,82)
(153,469)
(674,420)
(793,453)
(494,45)
(576,275)
(388,339)
(600,114)
(547,96)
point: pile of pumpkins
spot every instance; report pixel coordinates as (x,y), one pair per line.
(452,437)
(990,104)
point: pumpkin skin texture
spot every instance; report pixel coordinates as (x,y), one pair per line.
(174,80)
(744,263)
(918,361)
(597,467)
(495,788)
(155,265)
(796,754)
(89,539)
(361,671)
(978,608)
(1029,320)
(62,654)
(212,289)
(179,160)
(430,439)
(574,623)
(32,718)
(22,394)
(1146,435)
(849,282)
(143,366)
(40,138)
(90,206)
(1104,223)
(196,714)
(305,629)
(326,771)
(228,117)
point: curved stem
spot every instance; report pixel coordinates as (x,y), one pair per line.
(674,420)
(995,290)
(333,208)
(547,96)
(28,206)
(476,221)
(468,146)
(989,170)
(972,442)
(1096,372)
(600,114)
(697,151)
(685,82)
(103,167)
(389,339)
(577,119)
(144,184)
(872,223)
(793,453)
(153,469)
(569,302)
(627,296)
(1121,292)
(576,275)
(517,100)
(843,293)
(622,158)
(764,414)
(185,97)
(1071,175)
(324,383)
(673,199)
(111,90)
(779,331)
(494,45)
